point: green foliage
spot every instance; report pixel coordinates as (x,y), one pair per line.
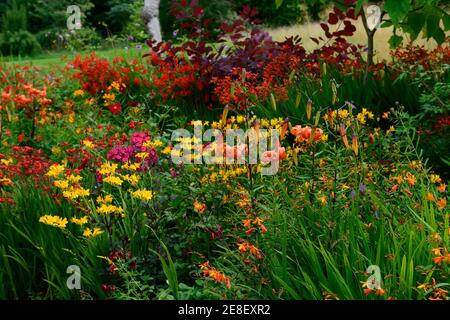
(318,237)
(326,259)
(397,9)
(379,93)
(48,19)
(18,43)
(15,18)
(51,15)
(434,118)
(170,271)
(414,17)
(395,40)
(112,16)
(218,10)
(15,39)
(34,259)
(275,14)
(135,26)
(315,7)
(83,39)
(119,14)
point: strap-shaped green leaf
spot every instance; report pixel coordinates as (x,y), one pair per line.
(278,3)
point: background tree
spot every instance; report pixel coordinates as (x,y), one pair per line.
(413,17)
(315,7)
(14,37)
(150,14)
(410,16)
(113,14)
(291,12)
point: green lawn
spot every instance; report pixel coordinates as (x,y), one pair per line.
(50,59)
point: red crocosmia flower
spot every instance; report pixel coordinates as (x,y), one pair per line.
(115,108)
(21,137)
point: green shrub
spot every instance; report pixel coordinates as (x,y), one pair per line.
(82,39)
(20,42)
(433,118)
(119,15)
(135,29)
(50,39)
(217,10)
(15,18)
(57,39)
(380,93)
(15,40)
(290,12)
(45,15)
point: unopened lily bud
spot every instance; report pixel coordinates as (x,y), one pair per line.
(308,109)
(355,143)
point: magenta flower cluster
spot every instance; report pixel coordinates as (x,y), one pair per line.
(126,153)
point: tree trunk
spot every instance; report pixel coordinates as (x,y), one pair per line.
(150,15)
(370,43)
(370,48)
(370,54)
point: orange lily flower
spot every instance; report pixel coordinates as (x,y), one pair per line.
(199,207)
(257,221)
(367,291)
(247,223)
(284,128)
(441,203)
(411,179)
(380,292)
(243,247)
(438,260)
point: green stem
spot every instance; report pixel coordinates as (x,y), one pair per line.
(313,172)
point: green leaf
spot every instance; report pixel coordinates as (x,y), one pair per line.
(286,286)
(424,2)
(439,36)
(386,24)
(397,9)
(278,3)
(273,101)
(446,161)
(395,41)
(446,20)
(169,269)
(416,21)
(433,21)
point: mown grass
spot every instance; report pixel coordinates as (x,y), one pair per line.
(52,59)
(313,29)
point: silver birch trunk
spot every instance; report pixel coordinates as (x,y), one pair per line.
(150,15)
